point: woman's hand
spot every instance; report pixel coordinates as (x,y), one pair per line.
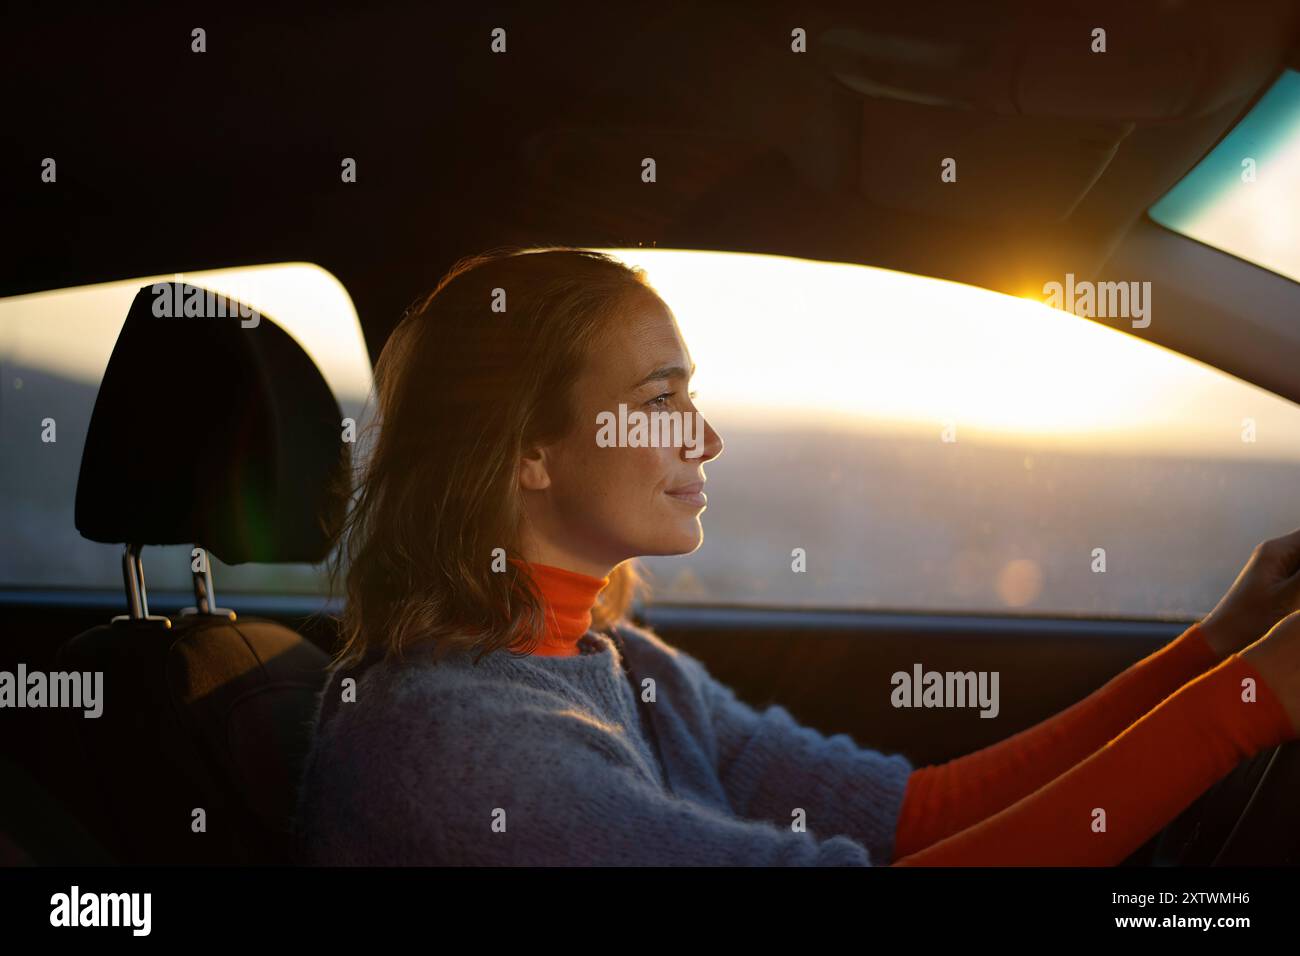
(1277,658)
(1267,590)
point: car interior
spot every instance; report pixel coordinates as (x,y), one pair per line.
(172,163)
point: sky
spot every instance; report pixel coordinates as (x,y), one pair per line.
(1254,217)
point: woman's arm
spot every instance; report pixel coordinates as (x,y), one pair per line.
(769,763)
(1104,808)
(944,799)
(949,798)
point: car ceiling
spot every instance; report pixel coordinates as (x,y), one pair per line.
(171,161)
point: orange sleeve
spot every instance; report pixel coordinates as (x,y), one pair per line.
(1105,807)
(945,799)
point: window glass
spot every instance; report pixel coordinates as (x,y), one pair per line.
(937,447)
(1244,197)
(54,347)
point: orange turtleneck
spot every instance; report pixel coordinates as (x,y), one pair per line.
(567,598)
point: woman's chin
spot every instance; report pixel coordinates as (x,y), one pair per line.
(669,542)
(687,541)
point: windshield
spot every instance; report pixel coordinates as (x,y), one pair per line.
(1244,197)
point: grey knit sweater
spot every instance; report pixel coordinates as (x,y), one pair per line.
(543,761)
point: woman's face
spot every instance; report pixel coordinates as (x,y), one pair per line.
(590,507)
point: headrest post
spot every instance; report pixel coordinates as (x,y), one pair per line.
(137,598)
(205,596)
(204,599)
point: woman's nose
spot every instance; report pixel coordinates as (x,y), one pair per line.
(713,444)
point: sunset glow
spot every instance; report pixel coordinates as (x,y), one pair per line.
(833,344)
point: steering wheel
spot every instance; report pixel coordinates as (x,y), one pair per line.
(1248,818)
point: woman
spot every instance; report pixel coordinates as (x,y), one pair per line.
(478,712)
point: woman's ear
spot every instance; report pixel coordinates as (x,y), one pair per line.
(533,475)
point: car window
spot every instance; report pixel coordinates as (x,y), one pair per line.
(1244,196)
(932,446)
(54,347)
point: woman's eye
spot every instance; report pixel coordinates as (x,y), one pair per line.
(658,399)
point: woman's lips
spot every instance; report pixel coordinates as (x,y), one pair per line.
(692,494)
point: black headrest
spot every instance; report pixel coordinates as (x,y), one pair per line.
(217,431)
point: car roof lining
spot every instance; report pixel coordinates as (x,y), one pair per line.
(235,160)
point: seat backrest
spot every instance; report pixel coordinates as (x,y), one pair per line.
(197,754)
(210,432)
